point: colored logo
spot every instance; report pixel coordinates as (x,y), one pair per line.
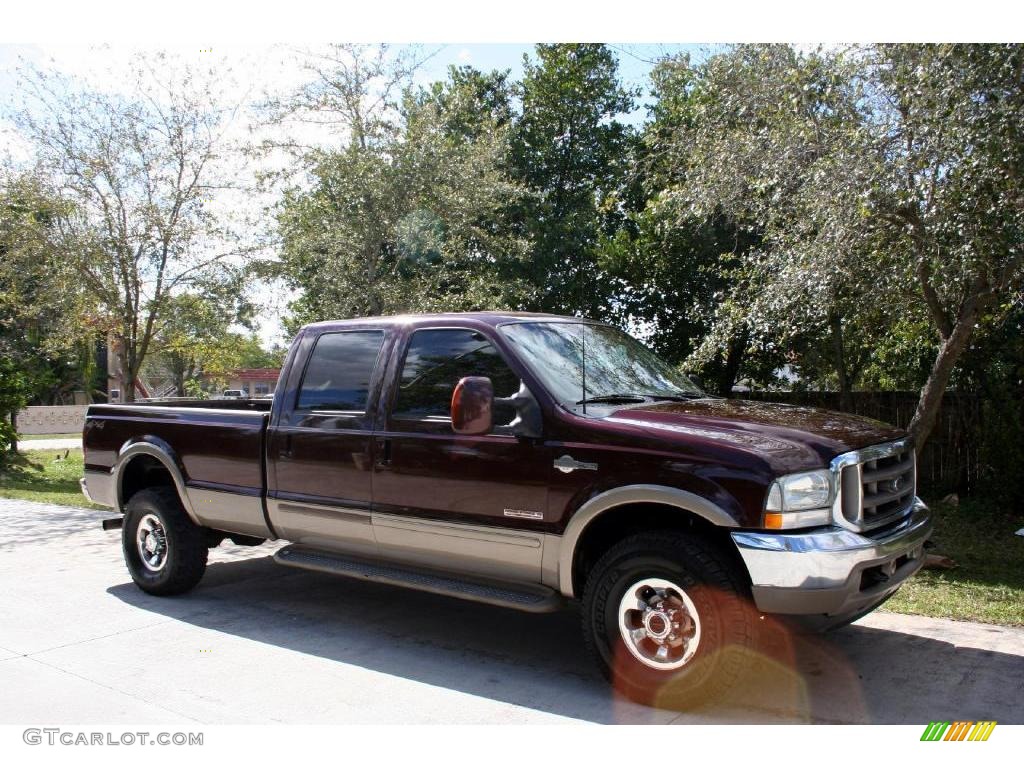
(959,731)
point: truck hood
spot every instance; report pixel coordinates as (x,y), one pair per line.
(790,437)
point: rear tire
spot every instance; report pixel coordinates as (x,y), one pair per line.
(164,550)
(669,620)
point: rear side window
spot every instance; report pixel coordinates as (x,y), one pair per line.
(434,363)
(338,375)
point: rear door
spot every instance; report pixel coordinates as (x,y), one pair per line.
(319,451)
(463,503)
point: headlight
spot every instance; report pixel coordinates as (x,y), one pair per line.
(800,500)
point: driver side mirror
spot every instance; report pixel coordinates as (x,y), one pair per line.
(472,407)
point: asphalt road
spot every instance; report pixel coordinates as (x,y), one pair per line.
(257,643)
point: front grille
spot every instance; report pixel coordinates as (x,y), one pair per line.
(876,485)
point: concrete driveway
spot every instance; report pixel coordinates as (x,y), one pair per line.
(257,642)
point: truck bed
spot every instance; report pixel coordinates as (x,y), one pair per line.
(217,445)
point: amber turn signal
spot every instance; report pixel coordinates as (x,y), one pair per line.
(773,520)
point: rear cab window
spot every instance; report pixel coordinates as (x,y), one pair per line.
(338,377)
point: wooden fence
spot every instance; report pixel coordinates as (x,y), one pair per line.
(952,457)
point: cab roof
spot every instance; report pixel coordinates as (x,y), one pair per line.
(491,318)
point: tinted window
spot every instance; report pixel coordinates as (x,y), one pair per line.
(616,362)
(338,375)
(435,362)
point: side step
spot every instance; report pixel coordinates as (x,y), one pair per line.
(522,597)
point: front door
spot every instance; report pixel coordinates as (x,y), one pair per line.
(456,502)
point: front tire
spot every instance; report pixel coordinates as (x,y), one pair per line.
(668,619)
(164,550)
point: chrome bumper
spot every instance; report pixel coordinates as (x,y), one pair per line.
(832,571)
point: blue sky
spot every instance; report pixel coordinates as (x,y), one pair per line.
(635,61)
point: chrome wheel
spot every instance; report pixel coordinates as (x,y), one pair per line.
(151,540)
(659,624)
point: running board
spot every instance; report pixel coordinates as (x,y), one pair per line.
(521,597)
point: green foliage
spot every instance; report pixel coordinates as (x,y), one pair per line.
(14,391)
(194,337)
(407,215)
(672,268)
(570,148)
(42,355)
(883,184)
(252,354)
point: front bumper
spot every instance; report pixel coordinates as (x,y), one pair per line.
(833,572)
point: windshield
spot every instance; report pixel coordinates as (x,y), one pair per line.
(619,369)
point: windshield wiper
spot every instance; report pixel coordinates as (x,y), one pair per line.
(638,397)
(614,397)
(677,398)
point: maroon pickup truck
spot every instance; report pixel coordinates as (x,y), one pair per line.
(525,461)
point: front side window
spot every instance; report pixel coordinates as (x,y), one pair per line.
(338,375)
(435,361)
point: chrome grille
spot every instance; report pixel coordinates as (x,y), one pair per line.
(875,485)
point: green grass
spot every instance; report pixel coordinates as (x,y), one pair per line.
(988,583)
(62,436)
(45,476)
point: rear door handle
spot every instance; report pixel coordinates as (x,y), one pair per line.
(286,451)
(383,451)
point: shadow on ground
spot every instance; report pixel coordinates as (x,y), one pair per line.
(857,674)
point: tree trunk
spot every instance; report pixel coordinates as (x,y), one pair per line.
(845,396)
(931,393)
(731,365)
(127,379)
(14,426)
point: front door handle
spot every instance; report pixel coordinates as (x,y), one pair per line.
(567,464)
(286,451)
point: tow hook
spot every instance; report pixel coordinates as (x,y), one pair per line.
(113,523)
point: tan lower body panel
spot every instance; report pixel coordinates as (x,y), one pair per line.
(318,526)
(472,549)
(231,512)
(486,551)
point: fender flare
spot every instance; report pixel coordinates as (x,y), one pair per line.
(629,494)
(163,454)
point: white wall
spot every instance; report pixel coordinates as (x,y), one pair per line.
(51,419)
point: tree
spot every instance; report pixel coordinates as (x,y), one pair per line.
(252,354)
(194,337)
(138,170)
(42,352)
(876,177)
(671,268)
(402,217)
(569,149)
(952,119)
